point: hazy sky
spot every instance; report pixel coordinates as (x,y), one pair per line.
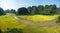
(15,4)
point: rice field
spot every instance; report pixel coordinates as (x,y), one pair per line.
(8,21)
(38,18)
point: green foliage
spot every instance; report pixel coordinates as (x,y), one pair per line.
(44,10)
(50,10)
(1,31)
(13,30)
(29,9)
(58,10)
(34,10)
(58,21)
(35,29)
(13,11)
(7,11)
(2,12)
(53,9)
(42,29)
(40,9)
(22,11)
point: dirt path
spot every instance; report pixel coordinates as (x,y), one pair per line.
(43,23)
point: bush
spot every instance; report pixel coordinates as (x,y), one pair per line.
(13,30)
(58,21)
(0,31)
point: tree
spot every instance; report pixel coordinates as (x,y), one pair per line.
(7,11)
(46,10)
(22,11)
(40,9)
(58,10)
(34,10)
(2,12)
(29,9)
(13,11)
(53,9)
(50,9)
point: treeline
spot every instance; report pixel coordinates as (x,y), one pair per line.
(4,12)
(45,10)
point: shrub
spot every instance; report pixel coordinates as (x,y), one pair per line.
(0,31)
(14,30)
(58,21)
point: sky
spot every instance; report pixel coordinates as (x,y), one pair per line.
(15,4)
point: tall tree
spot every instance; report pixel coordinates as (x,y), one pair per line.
(34,10)
(22,11)
(53,9)
(7,11)
(46,10)
(40,9)
(13,11)
(2,12)
(58,10)
(29,9)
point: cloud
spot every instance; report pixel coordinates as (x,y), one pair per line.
(7,4)
(15,4)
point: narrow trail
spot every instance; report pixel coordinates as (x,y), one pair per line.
(43,23)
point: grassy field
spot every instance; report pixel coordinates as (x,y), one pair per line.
(38,18)
(8,21)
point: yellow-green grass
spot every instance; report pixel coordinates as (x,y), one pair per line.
(8,21)
(42,29)
(38,18)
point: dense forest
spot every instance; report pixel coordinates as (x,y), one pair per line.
(44,10)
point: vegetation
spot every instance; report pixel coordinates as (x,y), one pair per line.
(1,31)
(22,11)
(13,30)
(2,12)
(40,13)
(39,18)
(13,11)
(34,10)
(58,21)
(10,22)
(44,10)
(42,29)
(7,11)
(7,21)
